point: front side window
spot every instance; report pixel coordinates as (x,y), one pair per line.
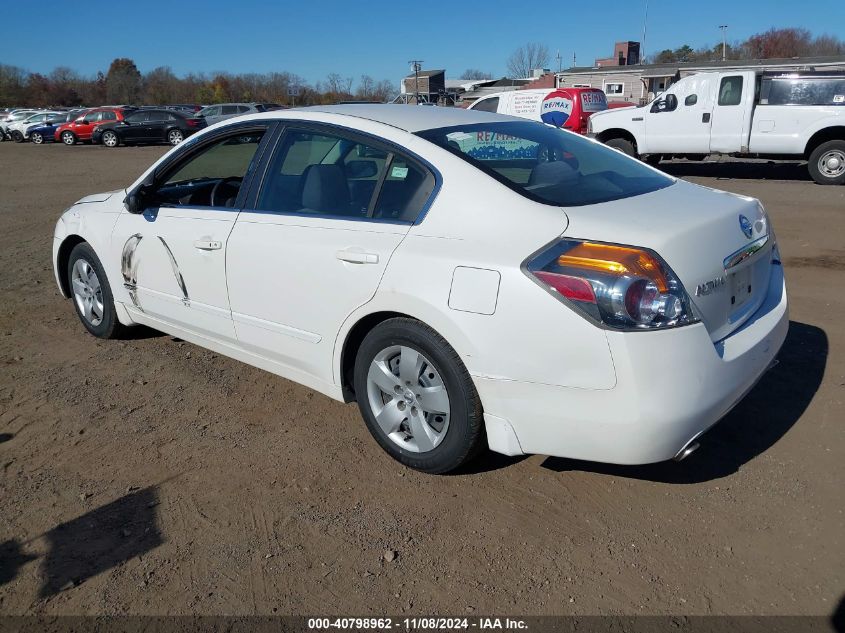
(92,117)
(730,91)
(548,165)
(487,105)
(321,173)
(137,117)
(213,176)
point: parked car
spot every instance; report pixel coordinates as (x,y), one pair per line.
(584,305)
(148,126)
(46,132)
(12,118)
(740,113)
(17,130)
(222,111)
(82,128)
(190,108)
(568,108)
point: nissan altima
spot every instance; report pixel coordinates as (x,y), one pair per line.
(470,279)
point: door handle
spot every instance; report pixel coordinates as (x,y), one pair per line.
(208,245)
(705,118)
(357,257)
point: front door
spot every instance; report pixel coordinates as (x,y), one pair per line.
(332,209)
(679,120)
(173,256)
(132,128)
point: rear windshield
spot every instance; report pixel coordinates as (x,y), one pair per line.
(548,165)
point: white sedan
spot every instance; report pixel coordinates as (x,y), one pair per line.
(468,278)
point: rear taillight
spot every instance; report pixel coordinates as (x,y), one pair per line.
(192,122)
(623,287)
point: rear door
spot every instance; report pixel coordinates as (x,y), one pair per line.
(157,122)
(731,114)
(333,207)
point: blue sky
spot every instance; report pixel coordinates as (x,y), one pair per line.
(376,37)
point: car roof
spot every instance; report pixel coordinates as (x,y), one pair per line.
(405,117)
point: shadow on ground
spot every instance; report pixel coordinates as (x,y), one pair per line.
(12,559)
(769,170)
(756,424)
(101,539)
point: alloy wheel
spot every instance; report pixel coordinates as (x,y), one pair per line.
(175,137)
(68,138)
(87,292)
(408,398)
(109,139)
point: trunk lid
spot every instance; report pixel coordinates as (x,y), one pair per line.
(723,260)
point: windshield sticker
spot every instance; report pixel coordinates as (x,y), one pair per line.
(556,108)
(399,172)
(838,98)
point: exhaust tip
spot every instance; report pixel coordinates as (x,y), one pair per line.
(686,451)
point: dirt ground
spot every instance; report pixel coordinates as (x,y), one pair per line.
(149,476)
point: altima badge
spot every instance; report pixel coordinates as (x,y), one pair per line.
(709,286)
(745,225)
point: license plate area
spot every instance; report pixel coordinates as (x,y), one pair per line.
(739,284)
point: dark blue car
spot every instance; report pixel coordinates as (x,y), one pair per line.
(45,132)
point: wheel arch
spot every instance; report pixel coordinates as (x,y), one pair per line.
(360,324)
(833,133)
(63,259)
(617,132)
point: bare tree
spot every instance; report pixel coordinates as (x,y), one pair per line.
(474,73)
(365,87)
(334,83)
(526,58)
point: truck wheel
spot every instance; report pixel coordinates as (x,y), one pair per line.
(827,163)
(623,145)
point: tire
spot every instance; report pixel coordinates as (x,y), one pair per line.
(174,137)
(623,145)
(109,139)
(91,293)
(37,138)
(17,136)
(68,138)
(827,163)
(433,433)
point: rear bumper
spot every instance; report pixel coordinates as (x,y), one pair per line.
(671,387)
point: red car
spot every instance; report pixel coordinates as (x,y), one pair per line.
(82,128)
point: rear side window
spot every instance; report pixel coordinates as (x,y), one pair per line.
(322,173)
(803,91)
(109,116)
(230,109)
(730,91)
(158,116)
(547,164)
(487,105)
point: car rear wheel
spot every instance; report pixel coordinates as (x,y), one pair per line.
(91,293)
(827,163)
(17,137)
(37,138)
(623,145)
(68,138)
(174,137)
(110,139)
(417,398)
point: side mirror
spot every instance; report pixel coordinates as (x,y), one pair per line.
(137,201)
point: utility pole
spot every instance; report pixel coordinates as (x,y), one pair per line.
(645,29)
(559,63)
(417,66)
(724,29)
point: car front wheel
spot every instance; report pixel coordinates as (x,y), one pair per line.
(417,398)
(91,293)
(68,138)
(37,138)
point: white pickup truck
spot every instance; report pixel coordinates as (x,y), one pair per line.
(745,113)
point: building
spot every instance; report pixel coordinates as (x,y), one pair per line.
(639,83)
(429,84)
(624,54)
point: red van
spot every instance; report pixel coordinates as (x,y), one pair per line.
(568,108)
(82,128)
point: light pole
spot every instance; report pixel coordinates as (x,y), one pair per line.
(645,28)
(417,64)
(724,29)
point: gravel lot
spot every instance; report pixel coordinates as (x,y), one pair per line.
(149,476)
